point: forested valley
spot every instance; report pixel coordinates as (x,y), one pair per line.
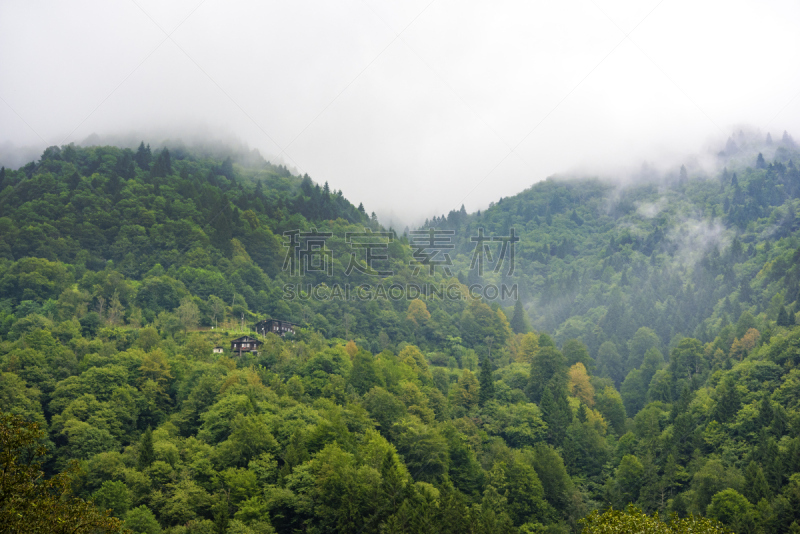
(651,357)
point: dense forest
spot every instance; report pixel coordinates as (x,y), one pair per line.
(652,357)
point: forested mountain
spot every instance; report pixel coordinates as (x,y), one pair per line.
(652,357)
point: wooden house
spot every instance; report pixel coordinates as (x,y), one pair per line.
(276,326)
(245,344)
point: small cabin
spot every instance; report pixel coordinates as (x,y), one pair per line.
(218,350)
(245,344)
(276,326)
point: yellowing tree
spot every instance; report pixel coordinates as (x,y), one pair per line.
(412,357)
(503,326)
(418,313)
(155,367)
(240,255)
(741,347)
(351,348)
(468,390)
(634,520)
(528,347)
(579,384)
(595,420)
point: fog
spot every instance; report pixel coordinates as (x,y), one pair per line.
(413,107)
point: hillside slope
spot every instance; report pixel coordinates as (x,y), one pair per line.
(662,370)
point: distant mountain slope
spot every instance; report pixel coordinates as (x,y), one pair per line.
(683,254)
(137,208)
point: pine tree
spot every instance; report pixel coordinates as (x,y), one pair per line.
(745,292)
(125,165)
(556,413)
(768,456)
(756,486)
(583,415)
(780,422)
(765,410)
(162,166)
(393,490)
(307,186)
(519,323)
(221,513)
(74,181)
(143,156)
(486,392)
(146,453)
(113,185)
(783,317)
(727,400)
(226,169)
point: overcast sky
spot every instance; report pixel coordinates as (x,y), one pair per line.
(411,107)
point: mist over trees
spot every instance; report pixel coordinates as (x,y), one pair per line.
(650,359)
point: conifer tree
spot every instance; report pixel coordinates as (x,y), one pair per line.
(756,486)
(519,323)
(226,169)
(146,453)
(783,317)
(74,181)
(143,156)
(163,165)
(556,413)
(486,392)
(727,400)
